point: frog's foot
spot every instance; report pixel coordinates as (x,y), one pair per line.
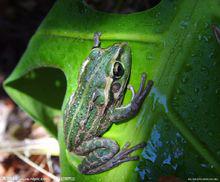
(138,98)
(97,42)
(121,157)
(131,88)
(126,146)
(124,153)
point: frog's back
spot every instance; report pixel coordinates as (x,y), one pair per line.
(77,109)
(75,114)
(96,77)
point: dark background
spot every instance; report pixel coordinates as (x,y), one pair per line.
(19,20)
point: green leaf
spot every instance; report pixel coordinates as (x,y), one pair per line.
(174,43)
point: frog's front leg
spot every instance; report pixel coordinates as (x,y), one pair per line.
(129,111)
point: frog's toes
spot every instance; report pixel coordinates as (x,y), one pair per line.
(131,88)
(127,151)
(148,87)
(142,92)
(126,159)
(143,80)
(127,144)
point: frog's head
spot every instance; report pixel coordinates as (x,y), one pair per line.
(118,70)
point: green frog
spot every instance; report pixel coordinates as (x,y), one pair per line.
(97,104)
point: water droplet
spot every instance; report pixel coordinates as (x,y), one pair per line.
(164,43)
(179,91)
(157,14)
(217,91)
(210,133)
(167,127)
(211,55)
(206,25)
(159,98)
(206,38)
(196,106)
(188,67)
(205,70)
(158,22)
(195,24)
(214,63)
(57,83)
(201,99)
(184,24)
(204,165)
(205,87)
(193,55)
(190,100)
(196,90)
(184,80)
(31,75)
(150,57)
(189,35)
(190,120)
(172,51)
(192,128)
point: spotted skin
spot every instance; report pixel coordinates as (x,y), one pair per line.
(97,104)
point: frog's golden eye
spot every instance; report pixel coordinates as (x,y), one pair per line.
(118,70)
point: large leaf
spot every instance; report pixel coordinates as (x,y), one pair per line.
(174,44)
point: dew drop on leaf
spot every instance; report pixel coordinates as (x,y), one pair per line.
(184,24)
(184,80)
(217,91)
(205,87)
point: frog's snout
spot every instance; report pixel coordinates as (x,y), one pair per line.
(123,44)
(124,47)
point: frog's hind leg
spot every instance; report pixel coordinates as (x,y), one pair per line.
(120,157)
(97,151)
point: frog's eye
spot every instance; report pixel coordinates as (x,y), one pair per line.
(118,70)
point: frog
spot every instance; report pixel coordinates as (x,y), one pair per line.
(96,104)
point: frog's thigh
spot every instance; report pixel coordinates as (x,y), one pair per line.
(97,151)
